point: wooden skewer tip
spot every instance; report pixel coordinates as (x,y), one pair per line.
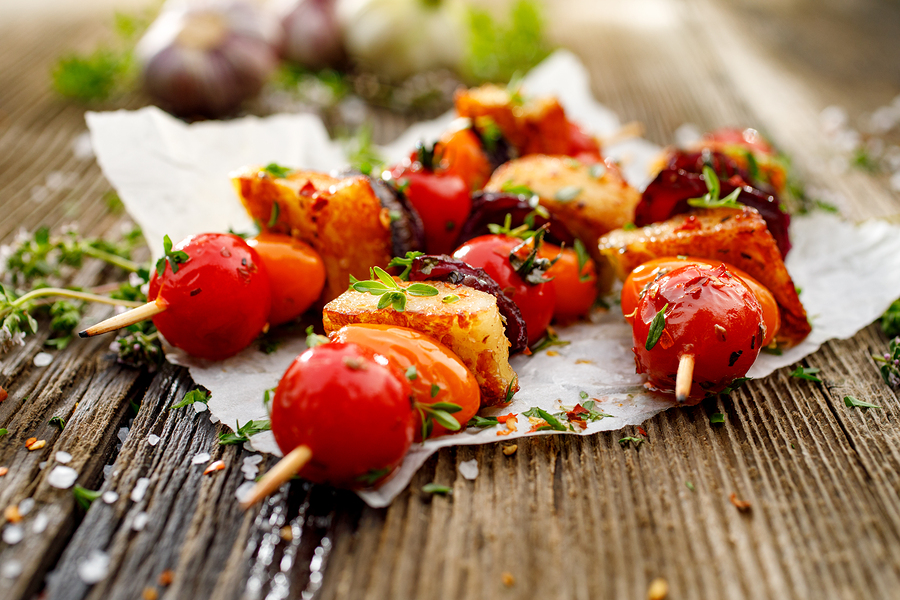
(286,468)
(684,378)
(130,317)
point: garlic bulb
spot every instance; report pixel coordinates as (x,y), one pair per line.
(205,58)
(312,36)
(397,38)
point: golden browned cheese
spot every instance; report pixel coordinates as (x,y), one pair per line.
(738,237)
(470,326)
(590,201)
(531,125)
(342,219)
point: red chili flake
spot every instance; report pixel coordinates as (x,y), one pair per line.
(3,394)
(166,578)
(308,189)
(319,203)
(214,466)
(641,431)
(537,424)
(741,505)
(578,410)
(3,471)
(505,418)
(690,223)
(527,351)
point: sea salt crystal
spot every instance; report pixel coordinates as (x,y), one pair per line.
(82,148)
(94,568)
(25,506)
(39,525)
(469,469)
(42,359)
(253,459)
(13,534)
(107,471)
(42,464)
(249,447)
(213,419)
(140,488)
(11,569)
(153,439)
(58,180)
(122,434)
(140,521)
(199,407)
(62,477)
(109,497)
(687,134)
(39,194)
(201,458)
(249,471)
(63,457)
(243,490)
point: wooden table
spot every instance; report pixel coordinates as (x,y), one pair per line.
(563,517)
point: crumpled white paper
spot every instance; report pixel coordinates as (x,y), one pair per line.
(174,179)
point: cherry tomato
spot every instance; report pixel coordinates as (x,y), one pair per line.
(441,199)
(218,301)
(640,279)
(296,273)
(460,153)
(583,146)
(575,288)
(351,408)
(535,300)
(709,314)
(432,363)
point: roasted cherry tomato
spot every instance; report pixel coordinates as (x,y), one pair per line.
(640,279)
(352,409)
(438,378)
(583,146)
(574,280)
(218,300)
(442,200)
(534,298)
(707,313)
(296,273)
(460,153)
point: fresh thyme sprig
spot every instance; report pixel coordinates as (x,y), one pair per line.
(382,284)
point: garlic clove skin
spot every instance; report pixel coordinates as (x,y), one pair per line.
(312,34)
(205,59)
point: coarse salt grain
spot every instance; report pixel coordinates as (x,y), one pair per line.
(94,568)
(42,359)
(39,525)
(250,475)
(62,477)
(109,497)
(42,464)
(140,488)
(213,419)
(199,407)
(140,521)
(253,459)
(201,458)
(122,434)
(63,457)
(469,469)
(25,506)
(13,534)
(107,471)
(243,490)
(153,439)
(11,569)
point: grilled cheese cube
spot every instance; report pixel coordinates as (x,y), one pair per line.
(342,219)
(471,327)
(738,237)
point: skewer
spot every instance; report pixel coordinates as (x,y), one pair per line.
(135,315)
(684,377)
(286,468)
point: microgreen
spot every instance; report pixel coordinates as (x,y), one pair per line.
(657,326)
(173,258)
(807,373)
(277,171)
(629,226)
(191,397)
(712,199)
(244,432)
(84,497)
(852,402)
(436,488)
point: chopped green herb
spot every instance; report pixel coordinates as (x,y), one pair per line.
(636,441)
(191,397)
(58,421)
(657,326)
(3,431)
(852,402)
(592,413)
(584,395)
(629,226)
(267,399)
(808,373)
(689,485)
(411,373)
(268,345)
(362,152)
(597,170)
(313,339)
(712,199)
(583,258)
(717,418)
(552,421)
(521,190)
(244,432)
(373,476)
(436,488)
(510,391)
(435,389)
(277,171)
(84,497)
(482,422)
(568,193)
(406,263)
(451,299)
(550,339)
(862,159)
(273,216)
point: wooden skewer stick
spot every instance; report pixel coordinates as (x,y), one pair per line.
(135,315)
(286,468)
(684,378)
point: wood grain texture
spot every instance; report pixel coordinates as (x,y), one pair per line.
(562,517)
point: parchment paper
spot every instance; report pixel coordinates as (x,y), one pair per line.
(174,179)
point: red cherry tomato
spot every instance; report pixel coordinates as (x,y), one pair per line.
(296,273)
(710,314)
(442,200)
(351,408)
(460,153)
(535,301)
(640,279)
(582,146)
(433,365)
(219,299)
(575,288)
